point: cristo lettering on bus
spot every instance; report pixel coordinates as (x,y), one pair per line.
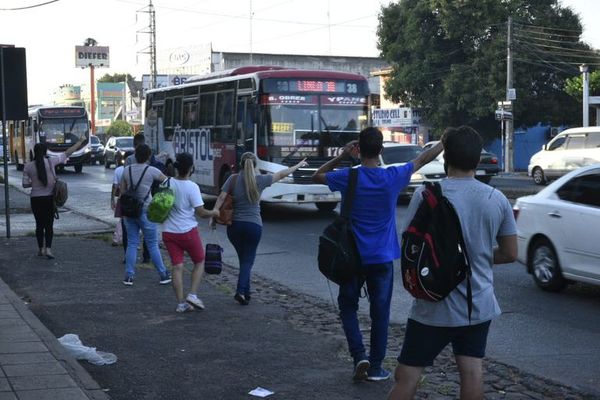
(193,141)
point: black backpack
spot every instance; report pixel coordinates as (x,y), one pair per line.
(131,206)
(434,256)
(338,256)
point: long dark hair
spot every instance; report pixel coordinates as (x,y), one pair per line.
(39,156)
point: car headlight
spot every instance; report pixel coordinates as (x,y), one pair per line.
(417,177)
(87,150)
(122,152)
(101,148)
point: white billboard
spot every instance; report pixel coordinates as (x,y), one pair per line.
(96,56)
(393,117)
(164,81)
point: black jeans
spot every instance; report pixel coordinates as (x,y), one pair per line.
(43,211)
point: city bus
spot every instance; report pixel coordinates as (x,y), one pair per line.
(58,127)
(282,115)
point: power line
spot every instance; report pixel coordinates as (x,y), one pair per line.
(28,7)
(531,26)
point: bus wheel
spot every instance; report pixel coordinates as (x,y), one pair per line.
(78,168)
(20,167)
(328,206)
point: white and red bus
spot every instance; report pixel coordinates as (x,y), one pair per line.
(282,115)
(59,127)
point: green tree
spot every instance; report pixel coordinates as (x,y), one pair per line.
(574,86)
(448,58)
(115,78)
(119,128)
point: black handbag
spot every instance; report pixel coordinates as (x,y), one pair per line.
(213,263)
(338,256)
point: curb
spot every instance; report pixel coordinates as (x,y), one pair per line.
(86,383)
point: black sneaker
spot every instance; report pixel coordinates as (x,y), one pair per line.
(360,370)
(165,280)
(128,281)
(240,298)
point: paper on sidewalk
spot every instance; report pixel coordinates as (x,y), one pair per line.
(260,392)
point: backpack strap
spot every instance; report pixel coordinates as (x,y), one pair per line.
(135,187)
(437,188)
(349,198)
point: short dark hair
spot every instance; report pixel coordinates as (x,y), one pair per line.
(138,139)
(370,141)
(183,163)
(142,153)
(462,147)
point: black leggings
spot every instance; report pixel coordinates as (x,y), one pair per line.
(43,211)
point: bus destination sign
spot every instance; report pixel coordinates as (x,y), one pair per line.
(62,112)
(314,86)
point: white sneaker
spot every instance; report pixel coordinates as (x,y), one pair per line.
(195,301)
(184,307)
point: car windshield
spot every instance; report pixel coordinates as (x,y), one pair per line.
(124,142)
(400,154)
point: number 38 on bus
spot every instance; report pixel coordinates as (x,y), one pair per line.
(282,115)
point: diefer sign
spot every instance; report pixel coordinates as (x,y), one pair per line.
(96,56)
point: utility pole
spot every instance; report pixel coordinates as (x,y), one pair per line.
(583,68)
(509,151)
(151,49)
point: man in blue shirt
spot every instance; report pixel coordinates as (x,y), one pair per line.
(374,227)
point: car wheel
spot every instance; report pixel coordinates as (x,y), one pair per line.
(78,168)
(544,266)
(326,206)
(538,176)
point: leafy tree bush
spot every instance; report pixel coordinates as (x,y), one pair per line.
(119,128)
(448,58)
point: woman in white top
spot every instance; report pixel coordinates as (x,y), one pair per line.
(180,231)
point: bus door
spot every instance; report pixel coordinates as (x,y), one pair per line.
(245,125)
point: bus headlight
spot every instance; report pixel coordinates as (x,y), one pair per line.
(417,177)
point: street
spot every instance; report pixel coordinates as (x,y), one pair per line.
(545,334)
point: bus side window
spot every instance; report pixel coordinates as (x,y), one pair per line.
(207,109)
(168,120)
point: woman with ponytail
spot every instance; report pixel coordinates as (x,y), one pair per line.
(246,229)
(38,175)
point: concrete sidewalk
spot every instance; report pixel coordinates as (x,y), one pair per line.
(33,365)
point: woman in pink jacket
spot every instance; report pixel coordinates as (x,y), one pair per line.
(39,176)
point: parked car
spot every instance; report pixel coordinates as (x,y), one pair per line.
(97,150)
(567,151)
(487,168)
(399,154)
(117,150)
(557,230)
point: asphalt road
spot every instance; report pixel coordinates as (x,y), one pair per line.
(551,335)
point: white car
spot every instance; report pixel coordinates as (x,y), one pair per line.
(557,230)
(399,154)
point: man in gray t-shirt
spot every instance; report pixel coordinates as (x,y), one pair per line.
(486,219)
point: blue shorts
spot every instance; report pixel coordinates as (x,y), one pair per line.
(423,343)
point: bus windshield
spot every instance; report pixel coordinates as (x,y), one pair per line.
(310,126)
(63,130)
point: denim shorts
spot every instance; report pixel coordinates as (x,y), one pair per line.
(423,343)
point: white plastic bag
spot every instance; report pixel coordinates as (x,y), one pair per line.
(76,349)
